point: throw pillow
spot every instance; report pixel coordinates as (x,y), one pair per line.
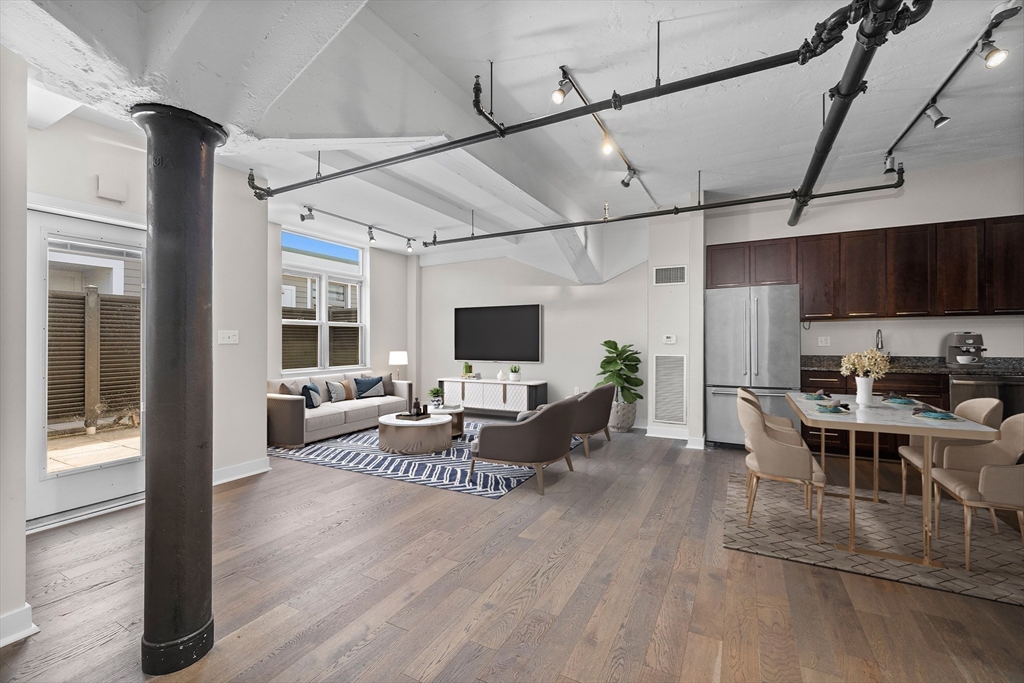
(337,391)
(367,387)
(312,394)
(389,386)
(291,387)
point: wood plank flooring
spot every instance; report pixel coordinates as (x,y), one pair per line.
(617,574)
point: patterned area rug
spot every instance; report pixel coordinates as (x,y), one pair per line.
(780,528)
(448,469)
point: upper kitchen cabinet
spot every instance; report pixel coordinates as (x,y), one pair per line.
(1004,271)
(862,274)
(960,260)
(728,265)
(910,270)
(818,274)
(773,262)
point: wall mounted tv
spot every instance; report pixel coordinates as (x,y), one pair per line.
(498,333)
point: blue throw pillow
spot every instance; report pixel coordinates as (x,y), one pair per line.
(312,394)
(369,386)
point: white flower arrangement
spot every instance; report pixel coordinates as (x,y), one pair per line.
(870,363)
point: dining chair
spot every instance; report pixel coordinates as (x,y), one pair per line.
(986,411)
(772,420)
(989,475)
(779,456)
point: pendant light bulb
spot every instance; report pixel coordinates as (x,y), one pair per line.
(606,146)
(563,89)
(408,245)
(369,232)
(992,55)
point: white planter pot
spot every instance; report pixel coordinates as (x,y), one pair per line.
(437,402)
(513,376)
(864,387)
(622,418)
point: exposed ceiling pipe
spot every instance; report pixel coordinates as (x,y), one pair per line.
(670,212)
(879,18)
(806,52)
(1000,14)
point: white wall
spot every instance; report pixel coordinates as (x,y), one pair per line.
(15,613)
(273,301)
(388,319)
(950,193)
(577,318)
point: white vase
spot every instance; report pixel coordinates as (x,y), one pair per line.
(864,387)
(502,376)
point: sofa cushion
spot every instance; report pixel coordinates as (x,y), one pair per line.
(312,395)
(289,387)
(387,405)
(389,385)
(321,383)
(369,386)
(357,411)
(338,391)
(326,416)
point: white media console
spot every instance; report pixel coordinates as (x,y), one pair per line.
(494,395)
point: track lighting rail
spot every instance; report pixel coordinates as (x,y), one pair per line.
(616,101)
(728,203)
(375,228)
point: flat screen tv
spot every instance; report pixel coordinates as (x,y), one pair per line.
(498,333)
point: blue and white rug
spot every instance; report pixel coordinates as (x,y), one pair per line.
(447,469)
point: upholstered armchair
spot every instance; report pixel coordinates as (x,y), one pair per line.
(986,411)
(779,456)
(592,413)
(540,439)
(773,423)
(989,475)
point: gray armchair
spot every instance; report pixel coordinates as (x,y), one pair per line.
(592,413)
(539,440)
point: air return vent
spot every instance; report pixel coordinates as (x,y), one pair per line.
(670,389)
(670,275)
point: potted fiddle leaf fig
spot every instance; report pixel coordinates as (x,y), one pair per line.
(620,367)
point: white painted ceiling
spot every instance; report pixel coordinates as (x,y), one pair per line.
(363,82)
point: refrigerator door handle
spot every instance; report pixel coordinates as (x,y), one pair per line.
(723,392)
(755,339)
(746,337)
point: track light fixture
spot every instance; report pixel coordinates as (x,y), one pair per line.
(369,232)
(992,55)
(938,120)
(890,165)
(630,174)
(408,245)
(606,145)
(308,216)
(563,89)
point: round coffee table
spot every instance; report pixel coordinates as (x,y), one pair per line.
(410,437)
(458,417)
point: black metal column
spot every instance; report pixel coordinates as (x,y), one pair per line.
(178,410)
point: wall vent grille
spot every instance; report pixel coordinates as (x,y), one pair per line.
(670,275)
(670,389)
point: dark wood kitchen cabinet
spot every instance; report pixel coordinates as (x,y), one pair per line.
(1004,265)
(773,262)
(960,252)
(910,270)
(862,274)
(728,265)
(818,274)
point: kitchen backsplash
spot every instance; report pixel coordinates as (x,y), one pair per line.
(1004,335)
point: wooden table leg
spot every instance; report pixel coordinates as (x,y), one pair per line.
(853,488)
(926,498)
(876,467)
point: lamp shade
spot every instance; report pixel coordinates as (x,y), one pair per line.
(398,358)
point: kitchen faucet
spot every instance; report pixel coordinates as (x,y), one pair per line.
(878,340)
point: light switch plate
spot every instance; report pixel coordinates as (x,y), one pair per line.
(668,339)
(227,336)
(824,341)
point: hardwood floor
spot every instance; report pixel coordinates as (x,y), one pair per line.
(618,573)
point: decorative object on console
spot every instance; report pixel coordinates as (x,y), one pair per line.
(436,396)
(867,366)
(513,373)
(467,372)
(502,377)
(398,359)
(620,367)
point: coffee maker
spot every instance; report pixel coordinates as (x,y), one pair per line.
(964,349)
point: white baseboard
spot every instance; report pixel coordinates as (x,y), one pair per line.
(17,625)
(695,442)
(223,475)
(663,431)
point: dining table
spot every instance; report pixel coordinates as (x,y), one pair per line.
(884,416)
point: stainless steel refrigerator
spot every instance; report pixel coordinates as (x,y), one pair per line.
(751,339)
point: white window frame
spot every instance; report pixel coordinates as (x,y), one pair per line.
(324,276)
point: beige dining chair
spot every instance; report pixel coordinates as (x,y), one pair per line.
(779,456)
(988,475)
(986,411)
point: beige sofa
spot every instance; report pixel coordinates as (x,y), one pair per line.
(290,423)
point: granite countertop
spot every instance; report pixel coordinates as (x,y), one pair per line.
(930,365)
